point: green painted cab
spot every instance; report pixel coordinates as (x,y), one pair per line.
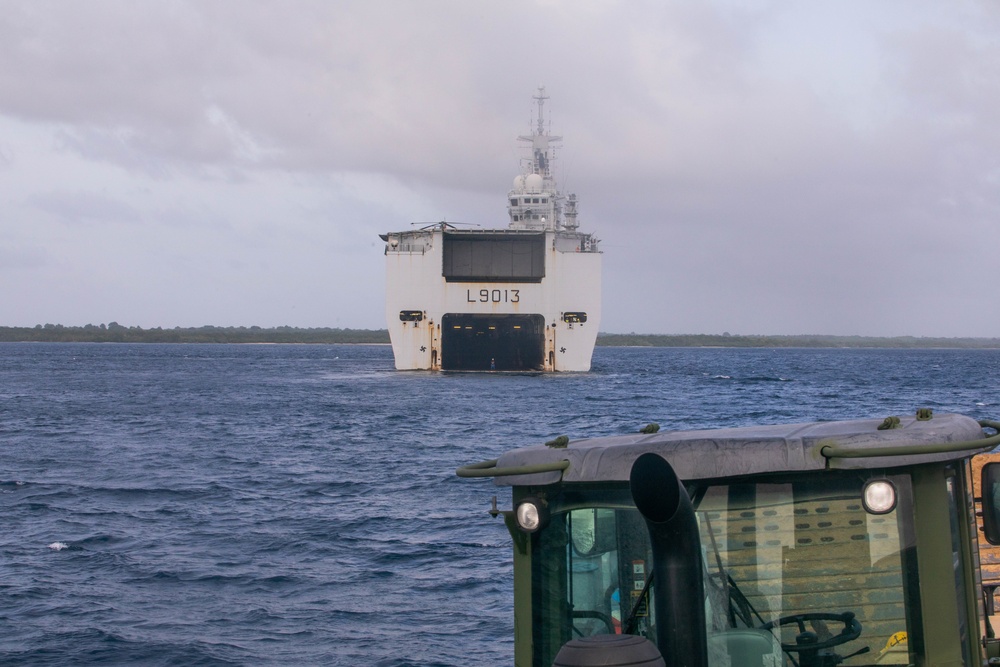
(804,545)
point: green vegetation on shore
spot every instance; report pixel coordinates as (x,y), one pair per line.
(116,333)
(727,340)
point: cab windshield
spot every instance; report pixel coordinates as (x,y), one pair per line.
(786,561)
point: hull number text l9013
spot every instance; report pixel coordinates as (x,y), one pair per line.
(494,296)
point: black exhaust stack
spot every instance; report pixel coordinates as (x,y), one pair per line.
(678,585)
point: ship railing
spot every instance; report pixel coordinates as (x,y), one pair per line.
(409,248)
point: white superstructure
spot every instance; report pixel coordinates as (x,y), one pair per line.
(523,297)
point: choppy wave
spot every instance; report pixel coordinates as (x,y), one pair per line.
(264,505)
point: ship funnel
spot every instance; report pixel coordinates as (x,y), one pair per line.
(678,584)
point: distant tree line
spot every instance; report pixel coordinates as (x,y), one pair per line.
(117,333)
(728,340)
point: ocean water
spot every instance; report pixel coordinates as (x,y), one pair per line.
(266,505)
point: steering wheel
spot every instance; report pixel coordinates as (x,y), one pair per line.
(851,631)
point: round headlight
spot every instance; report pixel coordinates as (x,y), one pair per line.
(527,517)
(531,515)
(879,497)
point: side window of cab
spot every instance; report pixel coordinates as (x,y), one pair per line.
(990,490)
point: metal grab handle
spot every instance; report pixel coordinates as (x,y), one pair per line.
(835,452)
(490,469)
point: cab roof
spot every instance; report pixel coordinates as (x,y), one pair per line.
(735,452)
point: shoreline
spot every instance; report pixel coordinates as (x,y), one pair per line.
(115,333)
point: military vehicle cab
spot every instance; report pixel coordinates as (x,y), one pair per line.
(805,545)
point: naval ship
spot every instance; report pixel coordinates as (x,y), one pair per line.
(525,297)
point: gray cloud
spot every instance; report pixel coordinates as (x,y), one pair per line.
(751,167)
(83,207)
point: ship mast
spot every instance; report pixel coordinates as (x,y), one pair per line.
(535,201)
(541,97)
(540,140)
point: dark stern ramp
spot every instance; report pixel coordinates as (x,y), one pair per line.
(472,342)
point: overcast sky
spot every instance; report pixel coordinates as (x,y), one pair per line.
(751,167)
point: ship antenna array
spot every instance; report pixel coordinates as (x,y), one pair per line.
(541,97)
(543,144)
